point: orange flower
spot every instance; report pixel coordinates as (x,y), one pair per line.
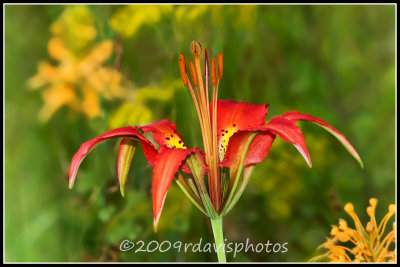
(368,244)
(80,71)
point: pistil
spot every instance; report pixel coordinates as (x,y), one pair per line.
(213,180)
(208,122)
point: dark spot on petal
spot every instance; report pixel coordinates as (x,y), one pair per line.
(180,142)
(226,131)
(223,134)
(166,138)
(234,125)
(172,135)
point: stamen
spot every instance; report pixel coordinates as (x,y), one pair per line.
(373,202)
(371,213)
(207,67)
(220,64)
(214,72)
(195,48)
(349,208)
(206,70)
(182,68)
(214,183)
(202,104)
(369,228)
(193,72)
(382,224)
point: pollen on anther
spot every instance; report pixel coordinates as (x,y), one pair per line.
(195,48)
(214,78)
(193,72)
(183,70)
(220,64)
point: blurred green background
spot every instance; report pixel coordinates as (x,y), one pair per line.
(334,62)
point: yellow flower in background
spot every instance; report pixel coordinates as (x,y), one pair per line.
(129,19)
(80,72)
(190,13)
(369,244)
(164,94)
(75,26)
(129,114)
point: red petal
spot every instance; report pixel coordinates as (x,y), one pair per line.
(259,148)
(237,146)
(164,132)
(235,116)
(262,142)
(295,116)
(288,132)
(256,153)
(167,163)
(148,149)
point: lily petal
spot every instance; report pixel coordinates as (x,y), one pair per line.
(148,149)
(235,116)
(167,163)
(164,132)
(262,142)
(127,148)
(257,152)
(288,132)
(295,116)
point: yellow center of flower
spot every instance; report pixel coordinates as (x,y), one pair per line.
(174,141)
(224,135)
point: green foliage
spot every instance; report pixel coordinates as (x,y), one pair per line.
(334,62)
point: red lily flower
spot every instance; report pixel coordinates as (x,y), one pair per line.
(235,138)
(165,161)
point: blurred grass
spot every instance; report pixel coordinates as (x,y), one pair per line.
(334,62)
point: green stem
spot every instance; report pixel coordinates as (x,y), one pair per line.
(216,224)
